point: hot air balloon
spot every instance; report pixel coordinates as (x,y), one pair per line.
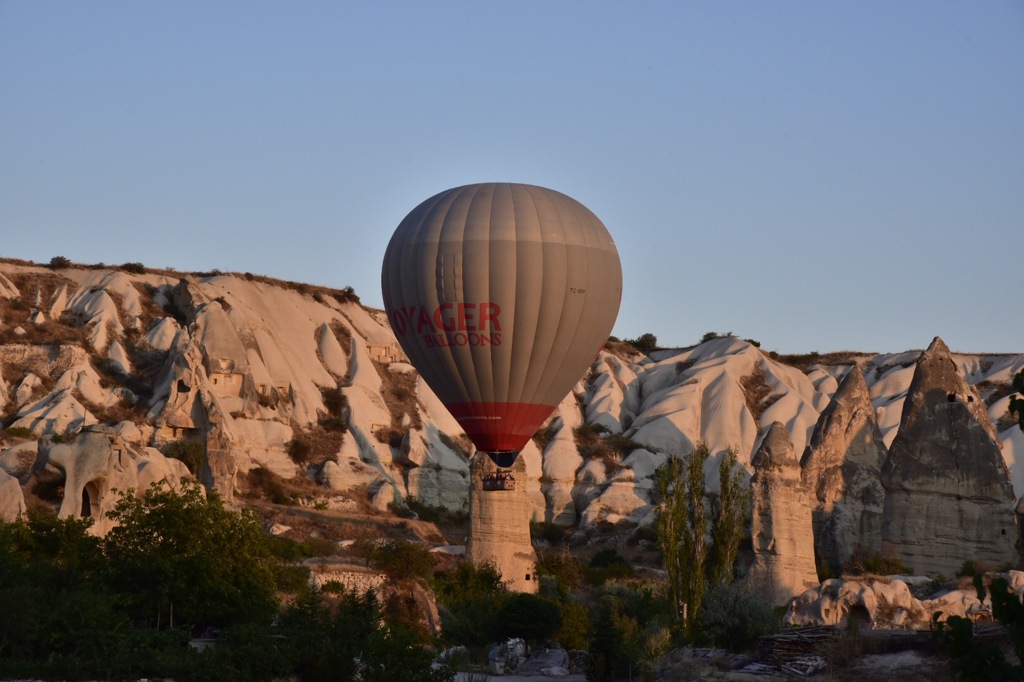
(501,295)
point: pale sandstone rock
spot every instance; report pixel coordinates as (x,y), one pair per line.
(5,397)
(26,388)
(331,351)
(499,527)
(842,468)
(99,312)
(58,412)
(948,493)
(119,356)
(161,335)
(12,500)
(877,603)
(7,288)
(781,525)
(561,460)
(18,459)
(95,465)
(59,302)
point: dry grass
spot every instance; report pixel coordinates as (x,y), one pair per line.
(344,336)
(322,444)
(804,360)
(399,392)
(757,393)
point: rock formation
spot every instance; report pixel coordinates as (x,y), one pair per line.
(499,526)
(243,364)
(842,468)
(12,500)
(781,525)
(948,493)
(886,603)
(98,464)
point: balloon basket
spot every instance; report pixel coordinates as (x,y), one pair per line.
(499,480)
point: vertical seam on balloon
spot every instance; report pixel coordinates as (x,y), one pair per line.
(491,369)
(553,365)
(513,414)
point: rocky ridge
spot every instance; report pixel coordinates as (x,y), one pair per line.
(304,382)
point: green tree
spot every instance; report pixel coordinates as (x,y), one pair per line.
(530,617)
(645,342)
(182,558)
(691,562)
(470,598)
(729,510)
(682,530)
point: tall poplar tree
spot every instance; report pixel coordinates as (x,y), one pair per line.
(693,559)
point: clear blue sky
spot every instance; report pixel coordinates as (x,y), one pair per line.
(818,176)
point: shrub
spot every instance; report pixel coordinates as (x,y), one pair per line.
(567,569)
(59,262)
(548,532)
(192,453)
(336,404)
(19,432)
(397,559)
(645,342)
(266,483)
(710,336)
(530,617)
(862,561)
(734,616)
(299,450)
(135,268)
(545,435)
(607,564)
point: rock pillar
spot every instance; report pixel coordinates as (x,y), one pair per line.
(948,495)
(781,524)
(499,526)
(842,468)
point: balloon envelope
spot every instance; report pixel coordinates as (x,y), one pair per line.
(501,295)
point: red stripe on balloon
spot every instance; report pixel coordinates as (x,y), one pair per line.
(495,427)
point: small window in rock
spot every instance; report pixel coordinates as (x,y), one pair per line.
(183,387)
(1003,531)
(951,397)
(970,398)
(527,576)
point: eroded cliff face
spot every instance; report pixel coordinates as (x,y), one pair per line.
(781,524)
(948,492)
(306,383)
(842,468)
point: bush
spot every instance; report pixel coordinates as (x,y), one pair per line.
(548,532)
(470,597)
(530,617)
(710,336)
(645,342)
(863,561)
(265,482)
(397,559)
(734,616)
(134,268)
(59,262)
(19,432)
(607,565)
(192,453)
(299,450)
(565,568)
